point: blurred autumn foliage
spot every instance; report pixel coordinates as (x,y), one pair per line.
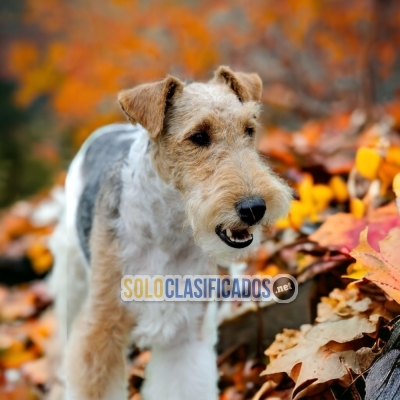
(63,62)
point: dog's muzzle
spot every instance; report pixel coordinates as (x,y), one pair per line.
(236,238)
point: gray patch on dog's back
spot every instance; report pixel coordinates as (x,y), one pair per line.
(103,161)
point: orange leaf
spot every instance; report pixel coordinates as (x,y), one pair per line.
(384,265)
(17,355)
(387,172)
(342,230)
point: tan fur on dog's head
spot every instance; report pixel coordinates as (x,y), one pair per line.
(203,144)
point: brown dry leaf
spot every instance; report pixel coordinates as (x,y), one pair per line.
(326,365)
(284,341)
(382,267)
(313,363)
(265,388)
(349,302)
(280,394)
(342,331)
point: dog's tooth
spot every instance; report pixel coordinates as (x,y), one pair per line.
(229,233)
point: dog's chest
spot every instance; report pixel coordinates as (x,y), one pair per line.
(160,322)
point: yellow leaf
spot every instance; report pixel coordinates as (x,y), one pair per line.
(283,223)
(271,270)
(356,271)
(16,355)
(305,189)
(357,208)
(339,189)
(298,212)
(396,185)
(40,256)
(368,162)
(36,250)
(321,195)
(314,217)
(43,263)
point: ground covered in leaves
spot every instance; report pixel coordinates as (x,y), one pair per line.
(341,239)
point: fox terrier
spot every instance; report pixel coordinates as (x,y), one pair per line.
(173,194)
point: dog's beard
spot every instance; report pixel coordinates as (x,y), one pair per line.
(204,226)
(212,216)
(211,244)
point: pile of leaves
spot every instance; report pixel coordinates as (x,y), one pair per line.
(342,233)
(346,217)
(27,323)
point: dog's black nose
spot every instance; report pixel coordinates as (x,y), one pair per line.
(251,209)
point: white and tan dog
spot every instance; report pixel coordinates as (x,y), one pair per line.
(170,196)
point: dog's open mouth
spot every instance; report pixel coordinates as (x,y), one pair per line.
(236,238)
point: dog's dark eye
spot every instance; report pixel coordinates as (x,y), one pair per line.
(201,139)
(249,131)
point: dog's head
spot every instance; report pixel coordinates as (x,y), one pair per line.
(203,137)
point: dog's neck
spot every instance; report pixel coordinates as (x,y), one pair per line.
(150,208)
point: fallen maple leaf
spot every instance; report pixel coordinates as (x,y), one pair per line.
(314,363)
(317,372)
(382,267)
(342,230)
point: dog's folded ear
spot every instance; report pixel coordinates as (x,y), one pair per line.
(246,86)
(147,104)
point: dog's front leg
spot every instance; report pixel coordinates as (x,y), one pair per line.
(96,350)
(180,372)
(96,357)
(186,369)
